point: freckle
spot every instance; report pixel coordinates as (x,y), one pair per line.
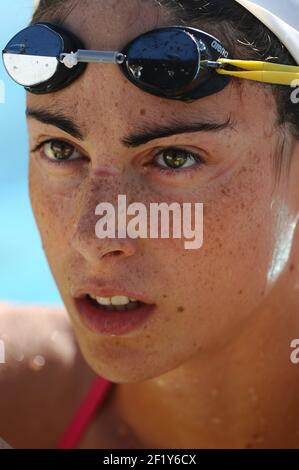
(142,112)
(219,242)
(165,296)
(292,267)
(225,192)
(240,292)
(262,293)
(181,309)
(116,105)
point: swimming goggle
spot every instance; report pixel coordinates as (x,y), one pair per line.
(175,62)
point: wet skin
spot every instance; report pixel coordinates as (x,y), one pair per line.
(213,361)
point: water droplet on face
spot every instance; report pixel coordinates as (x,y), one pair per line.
(216,421)
(19,356)
(54,336)
(161,382)
(37,363)
(253,395)
(257,439)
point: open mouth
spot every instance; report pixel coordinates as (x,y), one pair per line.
(116,303)
(116,315)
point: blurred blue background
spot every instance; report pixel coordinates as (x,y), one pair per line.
(24,274)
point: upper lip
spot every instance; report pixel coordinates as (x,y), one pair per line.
(108,291)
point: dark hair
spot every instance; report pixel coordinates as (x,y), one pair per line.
(243,34)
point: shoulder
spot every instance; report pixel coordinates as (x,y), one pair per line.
(32,334)
(42,374)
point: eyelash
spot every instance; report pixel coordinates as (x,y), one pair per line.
(53,161)
(198,159)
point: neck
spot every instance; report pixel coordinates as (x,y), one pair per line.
(244,395)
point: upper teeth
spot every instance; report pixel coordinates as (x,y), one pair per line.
(115,300)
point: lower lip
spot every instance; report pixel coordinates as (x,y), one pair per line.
(111,322)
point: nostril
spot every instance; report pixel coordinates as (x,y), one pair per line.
(114,253)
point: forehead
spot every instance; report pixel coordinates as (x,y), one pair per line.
(110,24)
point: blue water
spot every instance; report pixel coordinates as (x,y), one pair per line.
(24,274)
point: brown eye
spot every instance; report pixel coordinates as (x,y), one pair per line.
(60,150)
(176,159)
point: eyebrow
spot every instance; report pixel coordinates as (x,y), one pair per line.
(142,136)
(56,119)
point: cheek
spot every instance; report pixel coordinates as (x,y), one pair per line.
(52,211)
(221,284)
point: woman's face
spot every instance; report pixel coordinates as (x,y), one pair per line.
(203,297)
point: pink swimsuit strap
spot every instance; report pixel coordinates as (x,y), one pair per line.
(84,414)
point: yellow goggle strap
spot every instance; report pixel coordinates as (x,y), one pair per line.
(265,72)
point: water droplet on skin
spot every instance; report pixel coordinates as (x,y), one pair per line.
(37,363)
(54,336)
(254,399)
(253,395)
(161,382)
(216,421)
(258,438)
(19,357)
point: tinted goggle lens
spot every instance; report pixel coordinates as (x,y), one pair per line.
(30,57)
(163,60)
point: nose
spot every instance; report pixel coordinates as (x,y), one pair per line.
(97,252)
